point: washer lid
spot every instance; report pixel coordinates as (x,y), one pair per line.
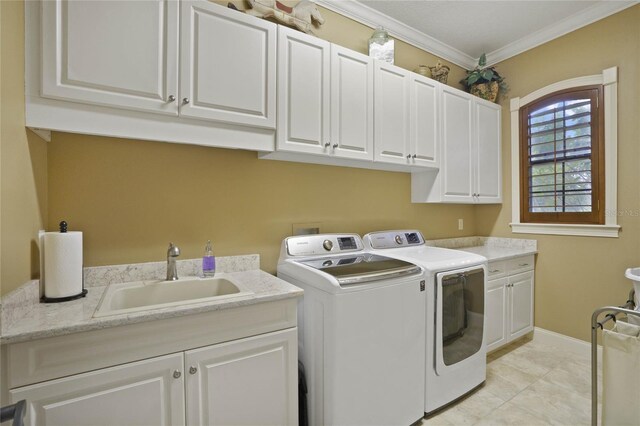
(362,268)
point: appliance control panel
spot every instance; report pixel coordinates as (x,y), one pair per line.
(393,239)
(312,245)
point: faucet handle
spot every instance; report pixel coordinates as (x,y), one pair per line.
(173,250)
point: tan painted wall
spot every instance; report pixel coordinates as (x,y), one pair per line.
(132,197)
(23,161)
(120,193)
(574,275)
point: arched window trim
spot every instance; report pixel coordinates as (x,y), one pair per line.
(609,79)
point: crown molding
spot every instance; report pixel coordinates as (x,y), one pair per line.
(365,15)
(581,19)
(372,18)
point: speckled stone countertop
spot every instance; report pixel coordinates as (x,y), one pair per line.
(492,248)
(24,318)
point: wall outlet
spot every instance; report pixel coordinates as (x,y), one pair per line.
(460,224)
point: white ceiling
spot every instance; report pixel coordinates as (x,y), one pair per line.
(460,31)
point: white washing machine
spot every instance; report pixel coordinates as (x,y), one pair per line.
(361,331)
(455,313)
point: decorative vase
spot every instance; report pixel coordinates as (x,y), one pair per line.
(423,70)
(381,46)
(488,91)
(440,72)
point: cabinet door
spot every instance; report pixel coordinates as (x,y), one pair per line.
(496,330)
(244,382)
(351,104)
(487,155)
(129,60)
(138,393)
(228,65)
(391,136)
(303,93)
(456,162)
(424,134)
(521,301)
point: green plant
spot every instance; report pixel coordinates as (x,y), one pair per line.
(483,74)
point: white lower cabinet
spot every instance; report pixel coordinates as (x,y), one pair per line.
(138,393)
(510,292)
(241,382)
(249,382)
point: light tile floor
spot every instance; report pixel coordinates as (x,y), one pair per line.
(528,383)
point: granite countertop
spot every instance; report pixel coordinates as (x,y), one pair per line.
(24,318)
(500,253)
(492,248)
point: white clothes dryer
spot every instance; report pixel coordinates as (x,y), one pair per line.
(455,350)
(361,330)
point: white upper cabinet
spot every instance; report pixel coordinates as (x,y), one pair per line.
(391,136)
(351,104)
(303,93)
(424,131)
(457,147)
(470,154)
(228,65)
(488,158)
(111,53)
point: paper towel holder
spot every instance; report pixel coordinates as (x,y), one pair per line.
(44,299)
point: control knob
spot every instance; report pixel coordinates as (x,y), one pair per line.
(327,244)
(398,239)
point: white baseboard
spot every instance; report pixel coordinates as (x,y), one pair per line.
(566,343)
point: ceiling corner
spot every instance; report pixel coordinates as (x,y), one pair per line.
(560,28)
(372,18)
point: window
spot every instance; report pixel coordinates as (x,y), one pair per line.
(563,176)
(562,157)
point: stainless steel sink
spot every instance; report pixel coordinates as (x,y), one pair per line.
(143,295)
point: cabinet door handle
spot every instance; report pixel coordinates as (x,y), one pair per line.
(193,370)
(493,271)
(408,156)
(177,374)
(335,145)
(171,98)
(185,101)
(523,264)
(327,144)
(414,156)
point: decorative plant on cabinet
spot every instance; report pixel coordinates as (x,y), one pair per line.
(484,82)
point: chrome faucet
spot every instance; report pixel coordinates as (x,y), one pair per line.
(172,270)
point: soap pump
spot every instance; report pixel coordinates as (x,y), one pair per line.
(208,261)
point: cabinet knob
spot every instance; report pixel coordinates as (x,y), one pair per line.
(185,101)
(193,370)
(171,98)
(335,145)
(327,144)
(177,374)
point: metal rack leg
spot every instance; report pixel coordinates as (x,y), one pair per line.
(594,375)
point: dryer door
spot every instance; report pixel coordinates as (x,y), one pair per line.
(460,306)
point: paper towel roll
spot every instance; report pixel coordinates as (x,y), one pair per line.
(62,264)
